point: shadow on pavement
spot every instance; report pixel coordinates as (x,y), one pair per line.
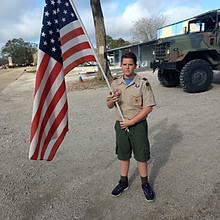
(165,140)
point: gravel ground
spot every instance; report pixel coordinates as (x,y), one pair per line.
(184,132)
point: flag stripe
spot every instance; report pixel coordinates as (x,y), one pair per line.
(56,109)
(56,135)
(57,143)
(75,49)
(53,115)
(63,46)
(77,40)
(57,83)
(40,58)
(77,62)
(72,34)
(51,79)
(53,128)
(41,70)
(50,109)
(80,54)
(50,121)
(69,27)
(44,80)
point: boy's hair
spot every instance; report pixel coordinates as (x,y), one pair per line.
(129,55)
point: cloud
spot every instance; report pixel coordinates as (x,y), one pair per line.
(12,8)
(20,19)
(108,8)
(174,15)
(120,26)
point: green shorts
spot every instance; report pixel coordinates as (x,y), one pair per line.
(135,140)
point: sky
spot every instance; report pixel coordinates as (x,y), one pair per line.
(23,18)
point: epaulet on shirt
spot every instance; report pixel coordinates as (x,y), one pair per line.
(147,83)
(117,77)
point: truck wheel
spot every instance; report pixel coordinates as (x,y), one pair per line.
(196,76)
(168,78)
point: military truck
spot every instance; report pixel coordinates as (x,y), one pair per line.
(189,59)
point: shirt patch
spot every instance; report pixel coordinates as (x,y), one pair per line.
(136,100)
(148,85)
(137,86)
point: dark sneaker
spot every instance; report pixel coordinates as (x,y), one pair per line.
(148,192)
(117,191)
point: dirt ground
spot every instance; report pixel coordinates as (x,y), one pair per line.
(184,132)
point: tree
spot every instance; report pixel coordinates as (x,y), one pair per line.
(115,43)
(3,61)
(100,36)
(20,51)
(145,29)
(109,42)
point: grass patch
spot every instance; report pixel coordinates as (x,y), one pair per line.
(94,83)
(31,71)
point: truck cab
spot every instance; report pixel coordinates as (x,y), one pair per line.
(189,58)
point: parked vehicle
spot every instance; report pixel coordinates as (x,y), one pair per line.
(190,58)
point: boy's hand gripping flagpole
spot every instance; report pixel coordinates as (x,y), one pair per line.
(97,58)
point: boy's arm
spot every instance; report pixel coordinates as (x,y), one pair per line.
(141,115)
(111,100)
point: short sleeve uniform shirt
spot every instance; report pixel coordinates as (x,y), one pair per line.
(135,96)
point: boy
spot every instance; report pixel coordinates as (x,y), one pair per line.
(136,100)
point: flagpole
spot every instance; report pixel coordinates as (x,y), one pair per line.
(97,58)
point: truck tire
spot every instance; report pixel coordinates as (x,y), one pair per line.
(168,78)
(196,76)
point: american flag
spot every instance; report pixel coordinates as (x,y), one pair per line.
(63,46)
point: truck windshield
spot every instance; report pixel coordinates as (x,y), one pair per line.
(204,24)
(196,27)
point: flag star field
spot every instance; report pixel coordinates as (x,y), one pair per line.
(57,14)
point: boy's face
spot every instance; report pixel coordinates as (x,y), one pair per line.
(128,67)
